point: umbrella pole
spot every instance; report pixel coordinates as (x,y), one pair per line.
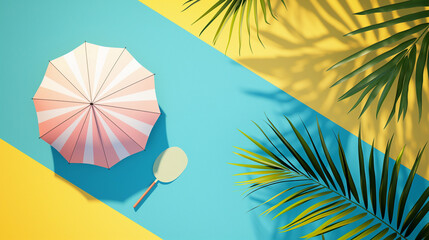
(144,194)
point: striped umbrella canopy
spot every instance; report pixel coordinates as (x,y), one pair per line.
(96,105)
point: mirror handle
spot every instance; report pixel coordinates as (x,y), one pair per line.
(144,194)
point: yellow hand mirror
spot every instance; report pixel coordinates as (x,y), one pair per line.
(167,167)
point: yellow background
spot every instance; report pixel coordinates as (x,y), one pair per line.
(37,204)
(305,41)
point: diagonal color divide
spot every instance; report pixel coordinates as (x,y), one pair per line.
(38,204)
(204,97)
(307,40)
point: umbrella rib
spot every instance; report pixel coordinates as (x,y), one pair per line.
(99,135)
(55,100)
(64,121)
(127,108)
(71,156)
(69,81)
(125,87)
(87,70)
(119,127)
(95,97)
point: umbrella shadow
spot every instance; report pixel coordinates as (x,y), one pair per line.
(127,177)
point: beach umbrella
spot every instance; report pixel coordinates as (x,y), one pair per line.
(96,105)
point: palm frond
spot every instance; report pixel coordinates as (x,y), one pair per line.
(236,12)
(335,199)
(404,60)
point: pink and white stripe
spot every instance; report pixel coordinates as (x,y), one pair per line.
(96,105)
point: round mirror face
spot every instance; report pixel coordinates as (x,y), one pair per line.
(170,164)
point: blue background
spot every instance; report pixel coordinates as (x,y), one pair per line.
(204,96)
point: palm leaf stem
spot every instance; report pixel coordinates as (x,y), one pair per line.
(417,39)
(272,169)
(356,204)
(413,44)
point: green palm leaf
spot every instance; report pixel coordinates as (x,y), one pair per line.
(236,12)
(308,188)
(401,59)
